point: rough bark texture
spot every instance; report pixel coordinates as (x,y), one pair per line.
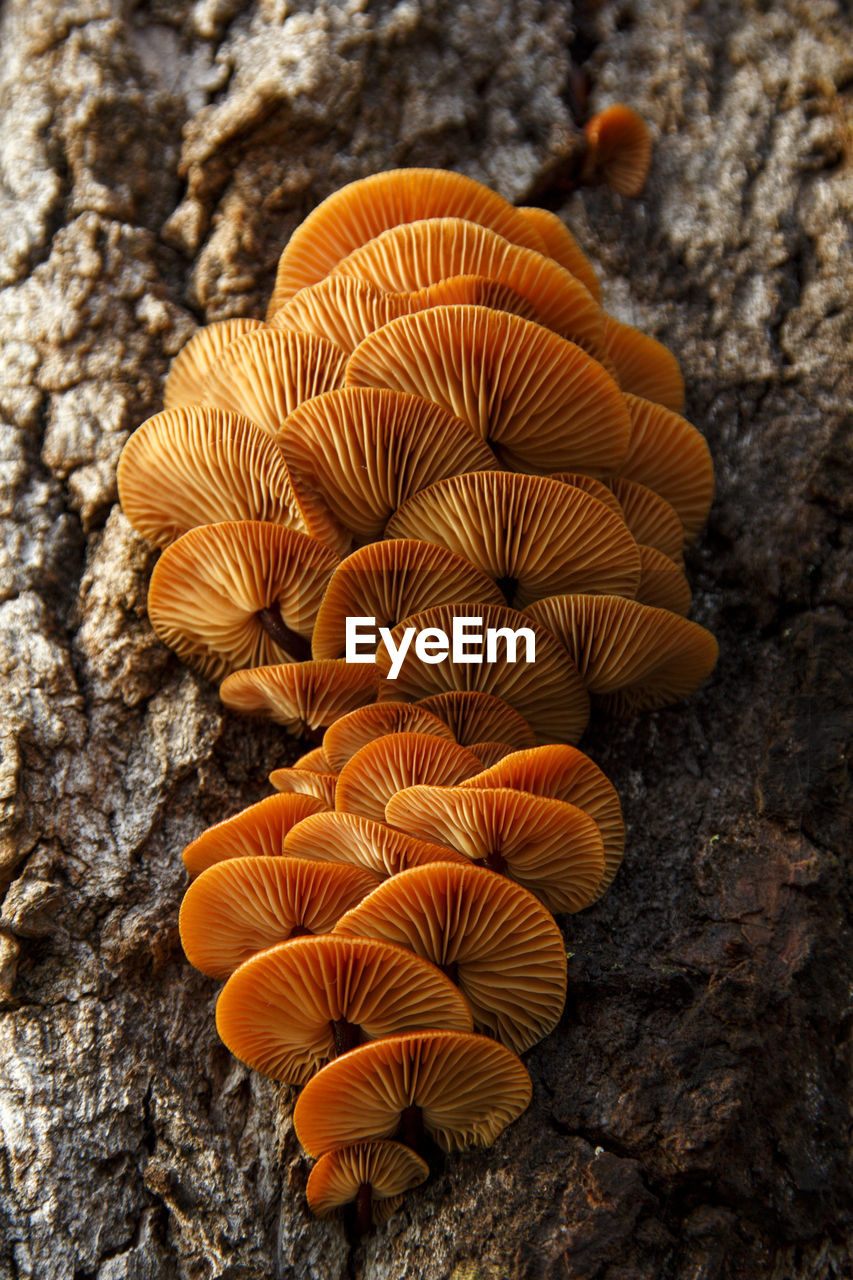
(688,1116)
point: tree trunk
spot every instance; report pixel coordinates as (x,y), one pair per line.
(688,1115)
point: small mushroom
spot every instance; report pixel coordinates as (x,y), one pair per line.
(632,656)
(387,581)
(239,594)
(461,1090)
(619,150)
(528,533)
(561,245)
(305,697)
(353,731)
(670,456)
(490,936)
(662,584)
(349,838)
(307,783)
(371,1177)
(190,367)
(541,402)
(382,767)
(642,365)
(551,847)
(237,908)
(315,760)
(473,716)
(255,832)
(290,1008)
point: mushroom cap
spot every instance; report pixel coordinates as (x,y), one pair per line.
(237,908)
(551,847)
(506,953)
(257,831)
(349,838)
(306,782)
(473,716)
(364,209)
(662,584)
(407,258)
(548,692)
(643,366)
(541,402)
(670,456)
(469,291)
(198,465)
(208,588)
(266,373)
(387,581)
(315,761)
(595,488)
(303,696)
(190,367)
(468,1089)
(340,308)
(388,1168)
(526,532)
(632,656)
(619,150)
(561,245)
(489,753)
(355,730)
(276,1012)
(386,765)
(651,519)
(561,772)
(365,450)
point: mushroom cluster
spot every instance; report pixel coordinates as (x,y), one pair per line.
(436,426)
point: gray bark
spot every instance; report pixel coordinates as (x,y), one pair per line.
(688,1117)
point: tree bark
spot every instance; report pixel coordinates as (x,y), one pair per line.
(689,1113)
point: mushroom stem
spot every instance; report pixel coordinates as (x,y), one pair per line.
(508,586)
(450,971)
(347,1036)
(411,1128)
(295,646)
(363,1208)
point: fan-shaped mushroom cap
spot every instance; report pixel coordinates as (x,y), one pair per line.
(255,832)
(303,696)
(541,402)
(353,731)
(210,587)
(408,258)
(240,907)
(365,450)
(551,847)
(595,488)
(473,716)
(197,465)
(526,532)
(643,366)
(277,1012)
(466,1087)
(382,767)
(469,291)
(493,938)
(633,657)
(341,308)
(662,584)
(306,782)
(619,150)
(190,367)
(561,772)
(561,245)
(387,1168)
(650,518)
(346,837)
(315,761)
(547,692)
(267,373)
(387,581)
(364,209)
(670,456)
